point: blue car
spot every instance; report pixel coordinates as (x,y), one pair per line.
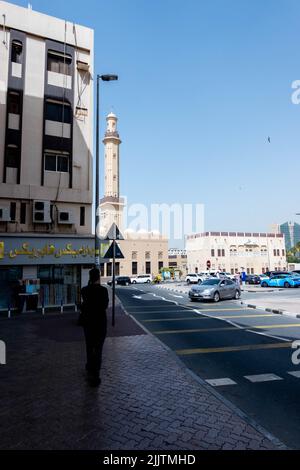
(281,280)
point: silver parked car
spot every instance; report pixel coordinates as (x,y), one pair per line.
(215,289)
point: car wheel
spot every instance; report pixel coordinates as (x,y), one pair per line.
(216,297)
(200,281)
(237,295)
(264,284)
(286,285)
(133,282)
(148,282)
(192,300)
(188,281)
(126,283)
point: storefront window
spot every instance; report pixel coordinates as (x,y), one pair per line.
(59,283)
(9,277)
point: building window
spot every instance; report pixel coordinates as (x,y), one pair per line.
(274,252)
(278,252)
(117,268)
(147,255)
(283,252)
(13,103)
(160,265)
(23,213)
(160,255)
(82,215)
(148,267)
(57,162)
(13,207)
(16,52)
(219,253)
(134,255)
(248,271)
(58,111)
(223,252)
(59,63)
(12,156)
(252,270)
(109,269)
(212,253)
(134,267)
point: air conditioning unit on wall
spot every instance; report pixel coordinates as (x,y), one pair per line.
(4,214)
(41,212)
(65,217)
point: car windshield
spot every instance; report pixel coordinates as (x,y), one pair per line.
(210,282)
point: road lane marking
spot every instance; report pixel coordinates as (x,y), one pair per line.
(177,296)
(245,347)
(295,373)
(234,328)
(204,318)
(262,378)
(220,382)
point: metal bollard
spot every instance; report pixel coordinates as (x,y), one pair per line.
(8,311)
(61,306)
(76,307)
(43,308)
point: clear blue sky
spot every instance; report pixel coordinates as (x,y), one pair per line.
(202,86)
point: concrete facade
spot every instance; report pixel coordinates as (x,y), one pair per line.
(46,151)
(234,252)
(178,259)
(46,122)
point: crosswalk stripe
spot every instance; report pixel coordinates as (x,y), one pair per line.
(262,377)
(245,347)
(220,382)
(295,373)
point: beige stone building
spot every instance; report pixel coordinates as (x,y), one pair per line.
(46,146)
(144,252)
(178,260)
(234,252)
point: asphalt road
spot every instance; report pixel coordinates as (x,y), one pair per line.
(245,353)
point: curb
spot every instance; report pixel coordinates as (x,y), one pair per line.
(280,445)
(272,310)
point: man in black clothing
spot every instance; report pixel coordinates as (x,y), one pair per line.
(93,319)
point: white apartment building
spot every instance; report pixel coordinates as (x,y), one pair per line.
(46,147)
(235,252)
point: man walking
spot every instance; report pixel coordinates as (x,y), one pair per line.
(93,319)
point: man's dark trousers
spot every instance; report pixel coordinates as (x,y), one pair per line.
(94,344)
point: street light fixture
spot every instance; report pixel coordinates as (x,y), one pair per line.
(104,78)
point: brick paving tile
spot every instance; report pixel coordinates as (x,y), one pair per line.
(147,399)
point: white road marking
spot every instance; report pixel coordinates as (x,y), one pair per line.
(295,373)
(137,296)
(178,296)
(262,377)
(220,382)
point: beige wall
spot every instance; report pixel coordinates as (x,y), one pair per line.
(253,253)
(39,27)
(135,250)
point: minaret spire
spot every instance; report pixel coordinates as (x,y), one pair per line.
(111,205)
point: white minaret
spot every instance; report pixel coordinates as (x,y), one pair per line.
(111,205)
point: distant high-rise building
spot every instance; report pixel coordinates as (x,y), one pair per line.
(291,231)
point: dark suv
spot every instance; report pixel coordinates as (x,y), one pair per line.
(121,281)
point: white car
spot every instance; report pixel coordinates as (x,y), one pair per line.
(192,278)
(142,279)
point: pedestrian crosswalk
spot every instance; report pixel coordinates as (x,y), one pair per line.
(256,378)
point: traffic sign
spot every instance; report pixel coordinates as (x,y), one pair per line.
(114,233)
(110,253)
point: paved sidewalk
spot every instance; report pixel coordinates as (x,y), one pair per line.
(147,399)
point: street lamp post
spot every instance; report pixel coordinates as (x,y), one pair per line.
(104,78)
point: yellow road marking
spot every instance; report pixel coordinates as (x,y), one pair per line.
(234,328)
(248,347)
(208,318)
